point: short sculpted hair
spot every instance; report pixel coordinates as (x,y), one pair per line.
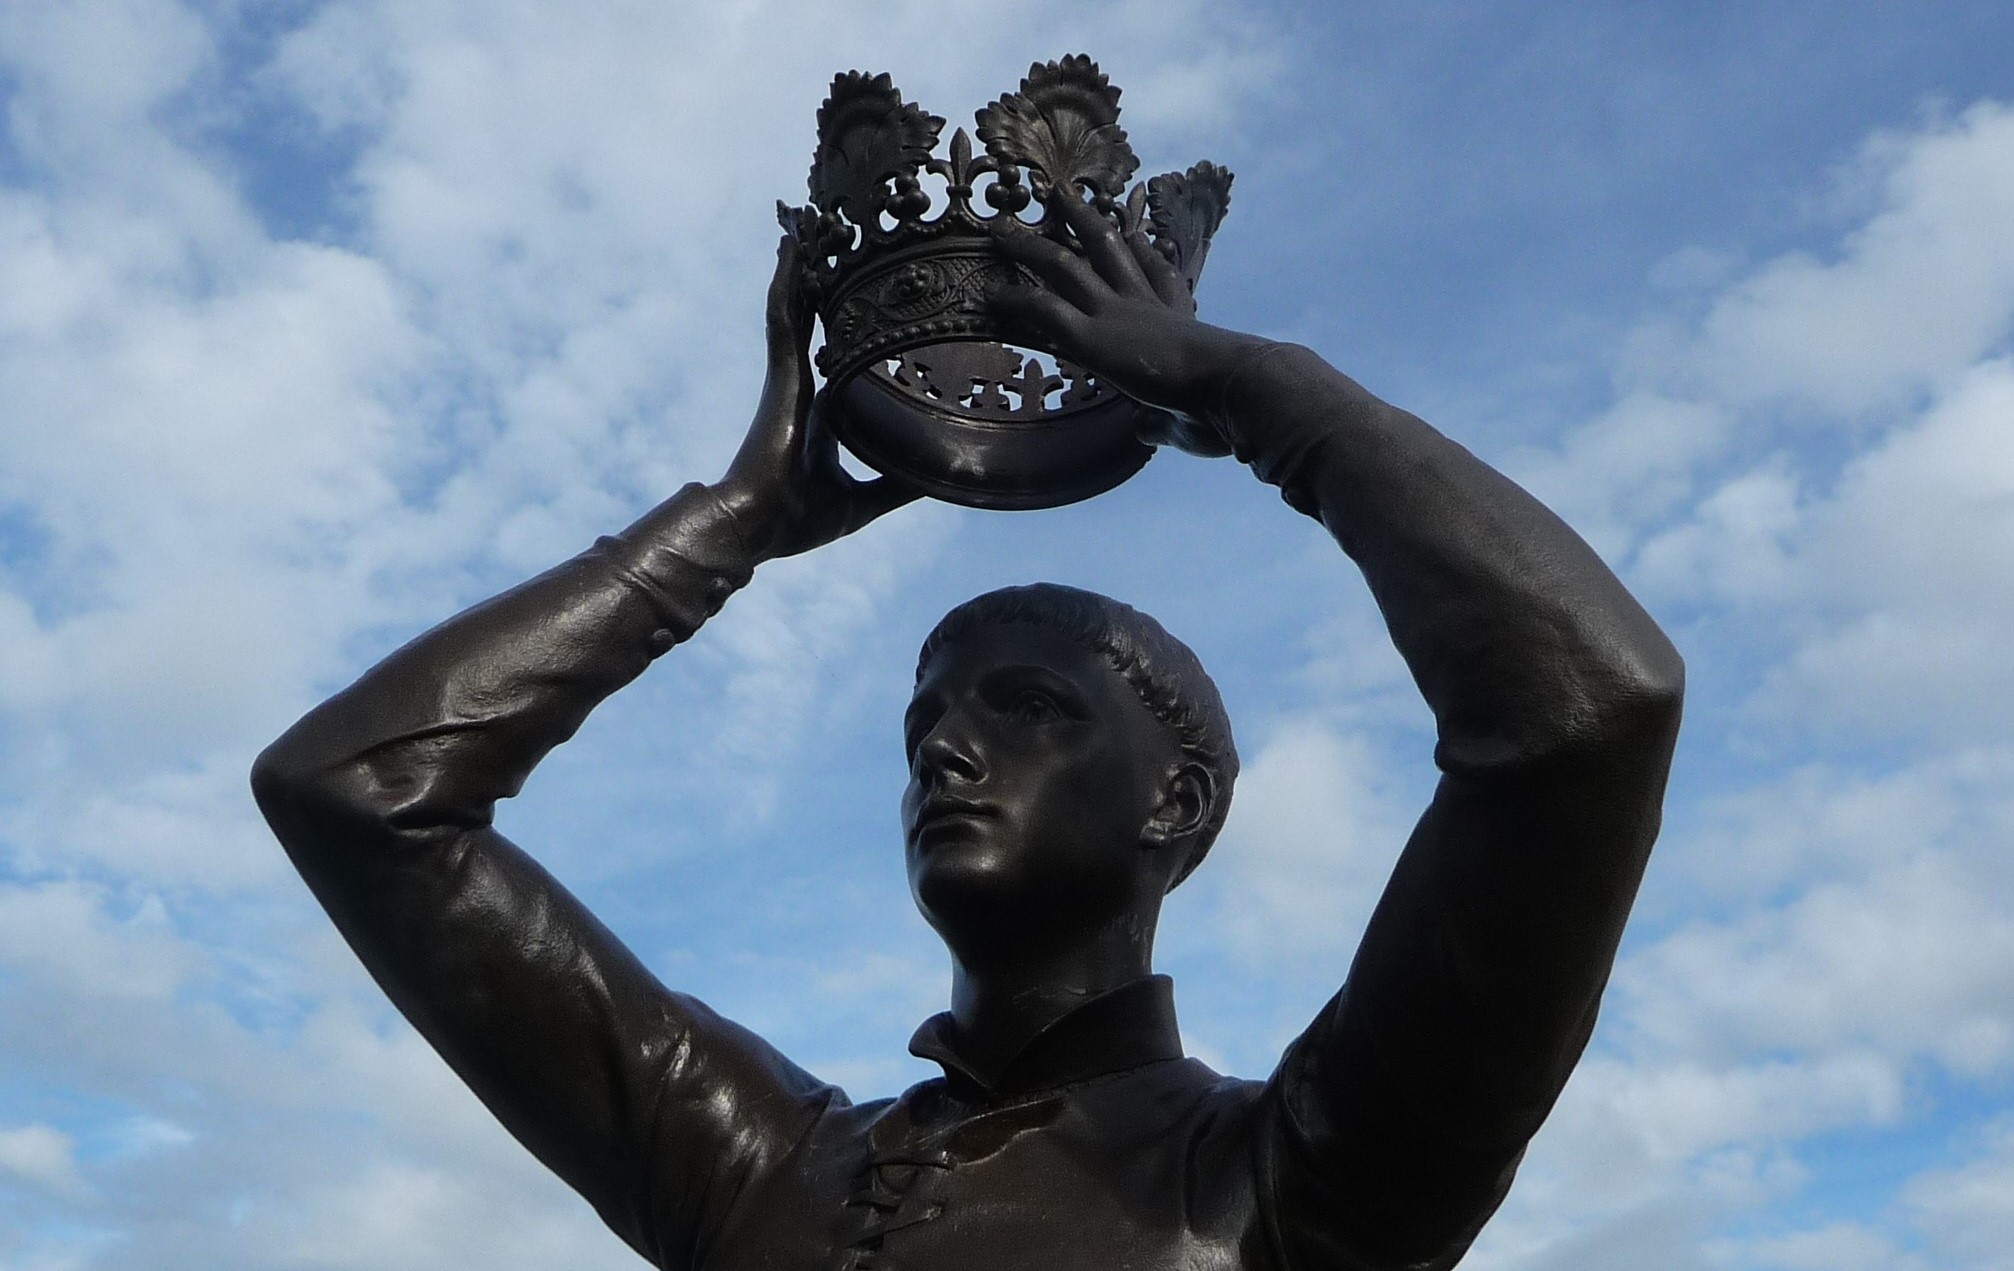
(1166,674)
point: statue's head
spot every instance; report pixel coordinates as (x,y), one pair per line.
(1070,762)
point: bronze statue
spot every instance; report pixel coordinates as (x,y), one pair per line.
(1069,763)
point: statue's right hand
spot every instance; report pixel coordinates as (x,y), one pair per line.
(785,487)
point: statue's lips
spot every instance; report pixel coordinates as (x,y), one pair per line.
(942,815)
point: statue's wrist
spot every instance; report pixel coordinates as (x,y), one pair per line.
(687,555)
(739,528)
(1232,364)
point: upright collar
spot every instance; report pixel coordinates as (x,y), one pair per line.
(1131,1025)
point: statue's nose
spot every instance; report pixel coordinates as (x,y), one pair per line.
(950,753)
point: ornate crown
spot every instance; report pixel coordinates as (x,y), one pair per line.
(932,392)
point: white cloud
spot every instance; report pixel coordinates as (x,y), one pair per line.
(1733,544)
(1848,928)
(1868,945)
(1633,1136)
(1897,332)
(1918,292)
(1867,941)
(395,1216)
(1316,823)
(1913,958)
(1914,553)
(237,463)
(62,931)
(1967,1212)
(1890,588)
(43,1155)
(782,638)
(1854,592)
(1635,463)
(1836,1247)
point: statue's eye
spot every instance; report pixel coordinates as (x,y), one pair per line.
(1033,706)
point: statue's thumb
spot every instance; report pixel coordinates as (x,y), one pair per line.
(883,494)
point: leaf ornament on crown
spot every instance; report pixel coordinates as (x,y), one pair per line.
(1063,125)
(1184,210)
(867,137)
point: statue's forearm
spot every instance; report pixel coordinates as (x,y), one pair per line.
(1520,638)
(440,730)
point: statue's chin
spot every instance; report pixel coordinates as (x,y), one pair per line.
(976,900)
(961,888)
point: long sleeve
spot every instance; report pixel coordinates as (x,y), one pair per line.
(655,1109)
(1401,1114)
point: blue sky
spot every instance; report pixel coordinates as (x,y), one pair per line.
(320,321)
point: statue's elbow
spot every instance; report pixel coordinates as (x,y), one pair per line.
(1657,682)
(1641,699)
(276,778)
(296,786)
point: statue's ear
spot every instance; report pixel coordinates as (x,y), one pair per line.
(1187,799)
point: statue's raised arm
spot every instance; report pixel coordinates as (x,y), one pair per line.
(1398,1117)
(648,1104)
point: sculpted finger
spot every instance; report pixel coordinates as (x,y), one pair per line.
(1041,318)
(821,443)
(1103,246)
(859,501)
(787,314)
(872,499)
(1199,439)
(1067,273)
(1154,426)
(783,283)
(1159,427)
(1166,280)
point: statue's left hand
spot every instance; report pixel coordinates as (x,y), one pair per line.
(1120,310)
(785,487)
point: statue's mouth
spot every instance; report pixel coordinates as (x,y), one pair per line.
(943,812)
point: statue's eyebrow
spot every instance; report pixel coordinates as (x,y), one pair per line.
(1048,678)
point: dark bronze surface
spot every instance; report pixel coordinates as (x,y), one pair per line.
(1069,763)
(1007,456)
(894,271)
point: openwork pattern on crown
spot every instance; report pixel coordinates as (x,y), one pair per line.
(890,271)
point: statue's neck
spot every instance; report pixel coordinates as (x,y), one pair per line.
(1001,1004)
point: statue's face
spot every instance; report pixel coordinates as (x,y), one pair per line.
(1033,769)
